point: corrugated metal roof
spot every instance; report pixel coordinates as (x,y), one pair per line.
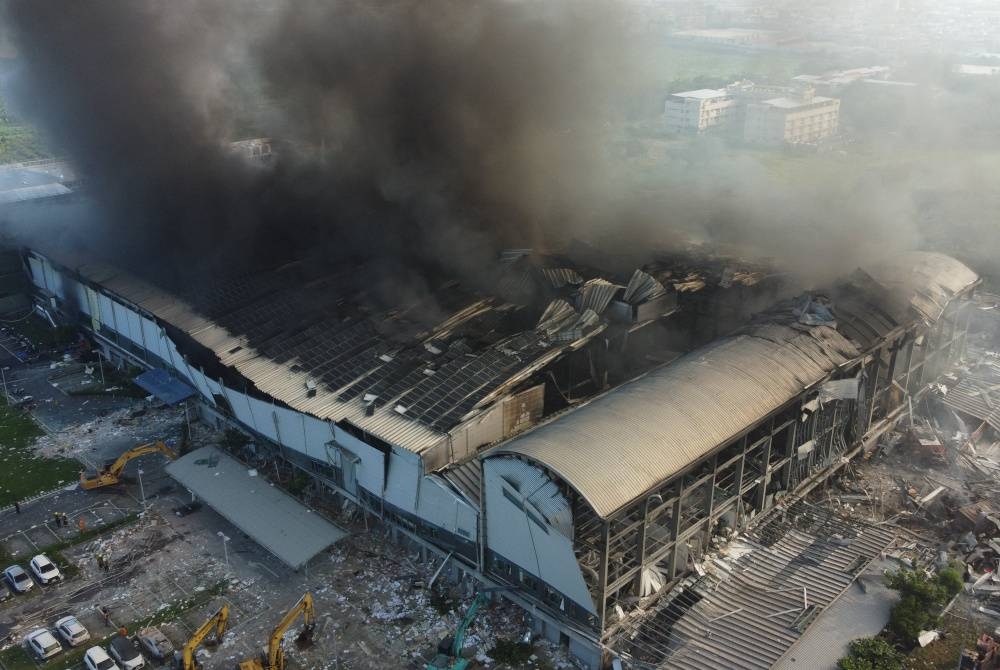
(976,398)
(642,287)
(559,277)
(625,442)
(466,478)
(749,619)
(427,379)
(616,447)
(274,519)
(927,280)
(596,294)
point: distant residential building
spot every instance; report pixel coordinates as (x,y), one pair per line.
(802,120)
(977,70)
(736,37)
(699,111)
(831,82)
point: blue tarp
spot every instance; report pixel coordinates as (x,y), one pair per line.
(164,387)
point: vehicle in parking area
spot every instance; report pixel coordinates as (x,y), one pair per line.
(72,631)
(42,644)
(126,652)
(45,570)
(156,643)
(97,659)
(18,579)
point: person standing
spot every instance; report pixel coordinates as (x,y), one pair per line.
(17,507)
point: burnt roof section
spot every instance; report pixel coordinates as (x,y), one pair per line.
(617,446)
(406,374)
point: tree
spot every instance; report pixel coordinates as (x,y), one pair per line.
(950,580)
(921,600)
(910,616)
(871,653)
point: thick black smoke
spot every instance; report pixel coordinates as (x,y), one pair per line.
(420,135)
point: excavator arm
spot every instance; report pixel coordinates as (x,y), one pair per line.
(111,474)
(450,650)
(217,623)
(274,657)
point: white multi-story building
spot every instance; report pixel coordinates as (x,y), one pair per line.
(804,120)
(698,111)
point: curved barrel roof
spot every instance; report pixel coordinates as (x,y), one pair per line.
(617,446)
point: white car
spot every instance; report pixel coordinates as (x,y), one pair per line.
(97,659)
(18,579)
(72,631)
(42,644)
(45,570)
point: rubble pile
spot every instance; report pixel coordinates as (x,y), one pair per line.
(137,424)
(936,478)
(394,595)
(936,473)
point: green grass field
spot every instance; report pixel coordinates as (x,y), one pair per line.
(19,142)
(23,473)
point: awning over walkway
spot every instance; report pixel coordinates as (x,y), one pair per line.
(272,518)
(164,387)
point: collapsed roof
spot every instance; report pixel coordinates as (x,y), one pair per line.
(407,374)
(618,446)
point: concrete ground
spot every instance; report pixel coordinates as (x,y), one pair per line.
(862,611)
(373,611)
(52,408)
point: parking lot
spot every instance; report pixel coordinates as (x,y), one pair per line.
(373,607)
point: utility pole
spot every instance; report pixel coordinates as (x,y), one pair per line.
(225,546)
(142,492)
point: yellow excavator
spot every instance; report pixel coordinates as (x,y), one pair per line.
(111,473)
(273,658)
(218,623)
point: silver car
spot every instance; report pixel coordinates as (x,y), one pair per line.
(156,643)
(18,579)
(42,644)
(72,631)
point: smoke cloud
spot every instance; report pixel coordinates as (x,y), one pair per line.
(421,137)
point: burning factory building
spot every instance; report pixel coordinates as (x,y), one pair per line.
(583,439)
(580,425)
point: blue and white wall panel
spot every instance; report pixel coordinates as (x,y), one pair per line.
(370,474)
(530,525)
(407,488)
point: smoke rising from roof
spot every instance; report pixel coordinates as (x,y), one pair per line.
(423,136)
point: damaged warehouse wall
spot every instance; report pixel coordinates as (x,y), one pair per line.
(597,510)
(657,467)
(390,481)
